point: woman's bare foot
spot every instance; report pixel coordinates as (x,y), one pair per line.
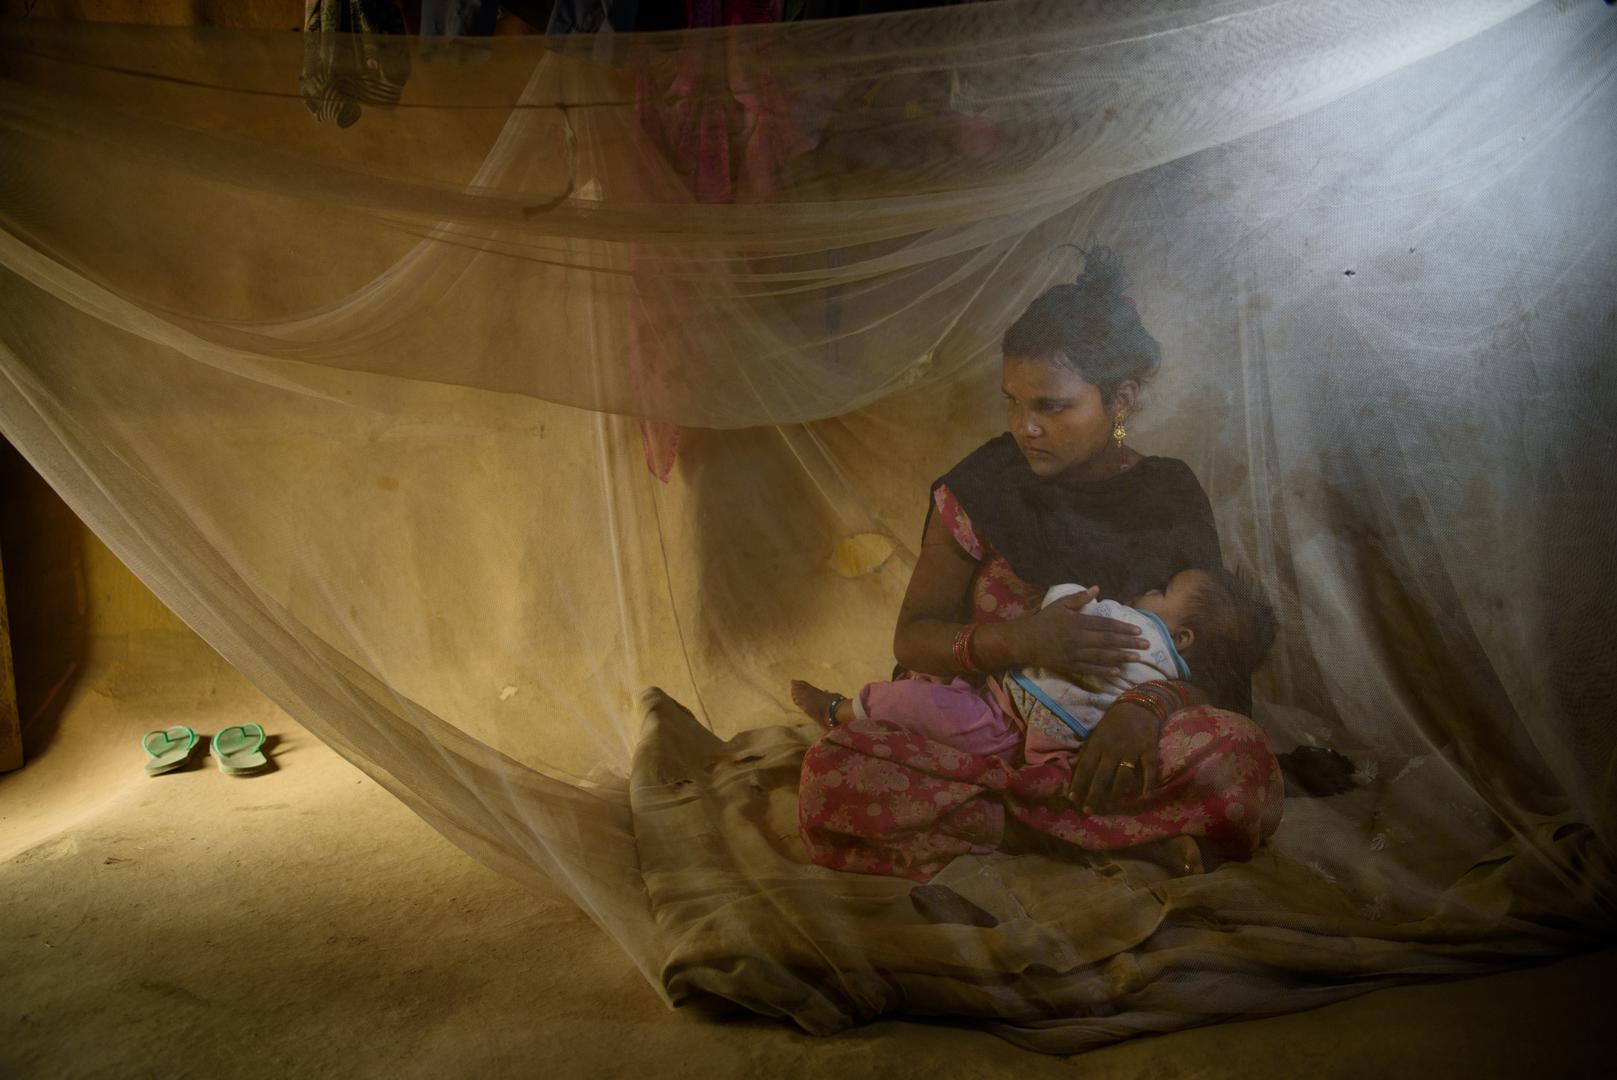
(816,703)
(1179,855)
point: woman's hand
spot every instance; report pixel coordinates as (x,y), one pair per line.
(1060,636)
(1118,763)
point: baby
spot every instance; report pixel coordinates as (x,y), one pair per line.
(1210,627)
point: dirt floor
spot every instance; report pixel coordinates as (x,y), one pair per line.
(303,923)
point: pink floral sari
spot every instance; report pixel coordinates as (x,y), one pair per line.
(883,801)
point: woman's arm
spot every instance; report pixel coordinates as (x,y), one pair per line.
(938,603)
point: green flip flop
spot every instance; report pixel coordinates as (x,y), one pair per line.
(239,749)
(169,748)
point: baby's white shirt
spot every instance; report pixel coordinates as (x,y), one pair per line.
(1063,708)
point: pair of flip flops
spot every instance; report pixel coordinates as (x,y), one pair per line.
(238,749)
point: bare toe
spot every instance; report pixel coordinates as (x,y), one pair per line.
(1181,856)
(1186,855)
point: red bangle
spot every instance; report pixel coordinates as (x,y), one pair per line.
(1145,700)
(962,650)
(1174,690)
(1161,697)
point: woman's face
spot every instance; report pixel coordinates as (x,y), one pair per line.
(1055,415)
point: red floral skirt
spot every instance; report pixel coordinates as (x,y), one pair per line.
(879,800)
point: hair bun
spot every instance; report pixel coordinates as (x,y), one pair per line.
(1088,325)
(1103,272)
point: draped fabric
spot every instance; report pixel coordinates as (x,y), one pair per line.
(364,405)
(881,799)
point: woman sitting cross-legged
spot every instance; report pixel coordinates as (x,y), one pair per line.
(1159,765)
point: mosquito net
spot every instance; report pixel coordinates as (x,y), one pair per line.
(461,395)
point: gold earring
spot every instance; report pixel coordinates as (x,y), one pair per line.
(1118,434)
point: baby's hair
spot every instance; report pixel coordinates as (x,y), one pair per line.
(1089,326)
(1235,628)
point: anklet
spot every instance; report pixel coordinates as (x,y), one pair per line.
(831,710)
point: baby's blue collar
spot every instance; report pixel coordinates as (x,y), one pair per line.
(1179,661)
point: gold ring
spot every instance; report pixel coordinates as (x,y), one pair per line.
(1127,765)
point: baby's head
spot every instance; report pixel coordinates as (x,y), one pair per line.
(1221,624)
